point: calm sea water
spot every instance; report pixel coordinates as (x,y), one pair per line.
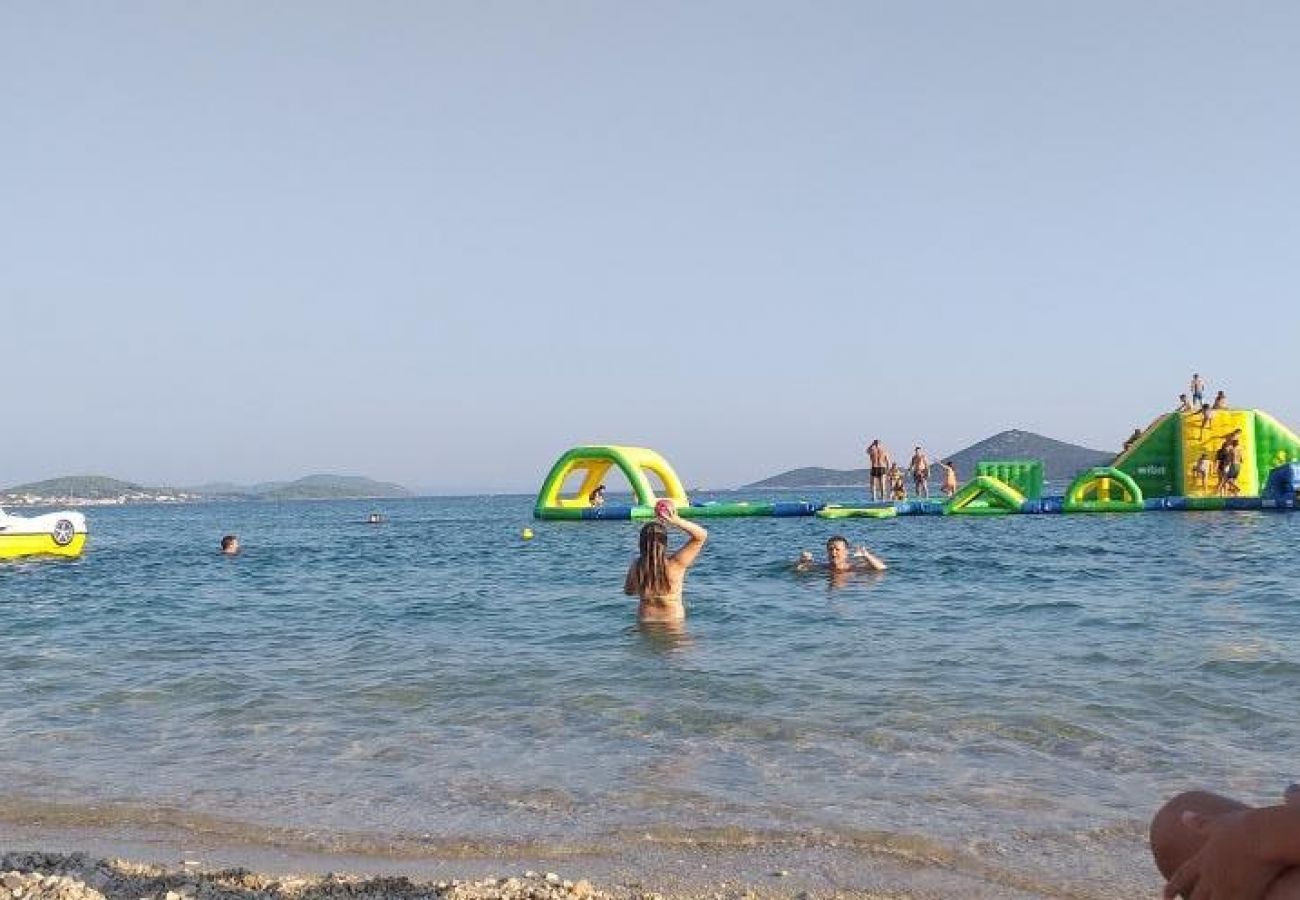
(1016,693)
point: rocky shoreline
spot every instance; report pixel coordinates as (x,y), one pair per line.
(78,876)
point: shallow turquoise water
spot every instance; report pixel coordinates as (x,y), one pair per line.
(1027,686)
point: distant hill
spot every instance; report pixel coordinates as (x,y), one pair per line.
(313,487)
(334,487)
(813,477)
(1061,461)
(86,487)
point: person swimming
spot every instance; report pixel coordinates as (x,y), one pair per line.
(657,577)
(840,560)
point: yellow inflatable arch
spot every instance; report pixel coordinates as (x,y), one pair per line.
(595,461)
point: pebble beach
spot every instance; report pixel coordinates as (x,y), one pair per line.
(78,876)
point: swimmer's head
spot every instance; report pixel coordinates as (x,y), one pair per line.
(230,545)
(837,550)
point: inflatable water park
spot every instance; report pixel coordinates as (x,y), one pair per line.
(1162,469)
(60,533)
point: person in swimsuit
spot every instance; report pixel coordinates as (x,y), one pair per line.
(1232,469)
(1183,405)
(949,478)
(920,468)
(597,496)
(897,489)
(1198,389)
(1207,419)
(879,458)
(230,545)
(1201,471)
(1220,401)
(655,576)
(1222,458)
(1213,848)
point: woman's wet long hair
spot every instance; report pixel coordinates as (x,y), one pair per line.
(652,565)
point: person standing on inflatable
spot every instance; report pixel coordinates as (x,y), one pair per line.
(655,576)
(949,478)
(920,468)
(878,456)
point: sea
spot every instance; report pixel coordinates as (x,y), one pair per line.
(997,715)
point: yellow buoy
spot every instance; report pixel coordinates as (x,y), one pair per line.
(528,534)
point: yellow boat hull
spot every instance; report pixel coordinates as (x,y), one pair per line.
(15,546)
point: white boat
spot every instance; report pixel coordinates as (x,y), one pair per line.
(61,533)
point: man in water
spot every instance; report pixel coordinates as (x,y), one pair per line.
(920,468)
(839,561)
(230,545)
(878,456)
(597,496)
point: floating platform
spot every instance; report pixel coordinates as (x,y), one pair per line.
(835,511)
(1158,472)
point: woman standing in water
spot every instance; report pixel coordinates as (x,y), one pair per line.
(655,576)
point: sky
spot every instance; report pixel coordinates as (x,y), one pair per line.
(438,243)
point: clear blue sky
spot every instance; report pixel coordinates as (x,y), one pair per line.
(440,242)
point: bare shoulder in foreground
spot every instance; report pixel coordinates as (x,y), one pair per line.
(1210,847)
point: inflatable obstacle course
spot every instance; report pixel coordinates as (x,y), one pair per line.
(984,495)
(1103,489)
(567,491)
(1155,473)
(1025,475)
(1195,441)
(835,511)
(1161,461)
(1282,487)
